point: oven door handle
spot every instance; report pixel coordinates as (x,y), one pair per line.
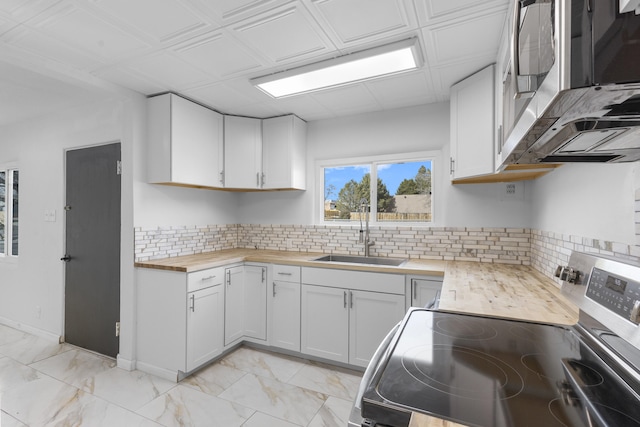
(374,363)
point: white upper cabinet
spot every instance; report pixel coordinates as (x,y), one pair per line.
(284,153)
(472,125)
(185,142)
(242,153)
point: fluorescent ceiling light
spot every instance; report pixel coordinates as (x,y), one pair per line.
(368,64)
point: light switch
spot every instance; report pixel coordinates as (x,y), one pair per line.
(50,215)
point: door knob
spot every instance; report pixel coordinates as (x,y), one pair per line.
(66,258)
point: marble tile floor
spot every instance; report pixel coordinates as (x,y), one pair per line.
(48,384)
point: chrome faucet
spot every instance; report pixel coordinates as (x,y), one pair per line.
(364,238)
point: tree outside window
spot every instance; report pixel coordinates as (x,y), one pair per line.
(403,191)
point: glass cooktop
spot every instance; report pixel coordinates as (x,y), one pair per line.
(482,371)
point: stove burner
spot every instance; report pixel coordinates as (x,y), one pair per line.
(551,368)
(474,375)
(461,328)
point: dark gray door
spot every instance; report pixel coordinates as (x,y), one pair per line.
(92,267)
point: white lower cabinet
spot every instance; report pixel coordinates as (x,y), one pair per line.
(245,303)
(325,322)
(205,317)
(347,325)
(284,308)
(422,291)
(180,320)
(255,302)
(371,317)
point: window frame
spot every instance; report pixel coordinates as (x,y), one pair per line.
(7,254)
(433,156)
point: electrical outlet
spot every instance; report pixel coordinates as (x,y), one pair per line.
(512,191)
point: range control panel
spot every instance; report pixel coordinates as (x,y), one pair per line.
(619,294)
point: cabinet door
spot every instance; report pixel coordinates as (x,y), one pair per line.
(472,125)
(234,305)
(242,152)
(325,322)
(372,315)
(424,291)
(185,142)
(283,152)
(205,317)
(255,302)
(284,325)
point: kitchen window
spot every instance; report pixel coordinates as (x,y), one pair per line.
(9,180)
(402,193)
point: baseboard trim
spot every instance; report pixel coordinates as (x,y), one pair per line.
(126,364)
(49,336)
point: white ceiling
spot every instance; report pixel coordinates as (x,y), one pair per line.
(62,52)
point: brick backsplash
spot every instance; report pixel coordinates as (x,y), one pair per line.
(548,250)
(164,242)
(542,250)
(499,245)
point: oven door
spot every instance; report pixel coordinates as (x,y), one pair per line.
(377,362)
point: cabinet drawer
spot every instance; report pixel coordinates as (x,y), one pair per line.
(205,278)
(286,273)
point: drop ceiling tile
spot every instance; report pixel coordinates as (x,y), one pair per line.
(172,72)
(304,106)
(84,30)
(23,10)
(446,76)
(463,39)
(218,54)
(431,11)
(284,34)
(230,11)
(354,97)
(219,97)
(410,88)
(354,21)
(38,43)
(130,80)
(163,20)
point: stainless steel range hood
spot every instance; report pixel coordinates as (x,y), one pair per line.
(597,124)
(572,93)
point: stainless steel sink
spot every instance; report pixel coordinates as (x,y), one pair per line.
(354,259)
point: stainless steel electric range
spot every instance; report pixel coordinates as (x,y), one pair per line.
(488,371)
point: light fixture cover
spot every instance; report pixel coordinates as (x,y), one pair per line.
(364,65)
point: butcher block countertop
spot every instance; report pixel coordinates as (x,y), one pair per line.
(510,291)
(504,290)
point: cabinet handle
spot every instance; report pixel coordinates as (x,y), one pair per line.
(222,177)
(345,299)
(274,289)
(263,180)
(414,291)
(228,277)
(264,270)
(452,164)
(284,274)
(258,179)
(350,299)
(193,303)
(209,278)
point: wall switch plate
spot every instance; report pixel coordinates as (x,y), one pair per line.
(50,215)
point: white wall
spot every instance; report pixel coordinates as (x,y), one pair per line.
(407,130)
(35,278)
(588,200)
